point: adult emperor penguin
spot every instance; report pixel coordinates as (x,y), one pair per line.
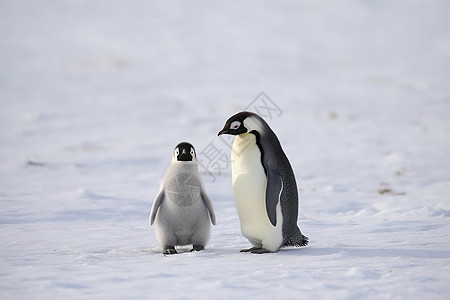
(264,186)
(182,211)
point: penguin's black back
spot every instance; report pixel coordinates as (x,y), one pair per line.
(272,155)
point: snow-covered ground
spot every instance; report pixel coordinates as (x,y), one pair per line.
(94,96)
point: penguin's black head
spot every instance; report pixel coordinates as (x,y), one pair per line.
(184,152)
(235,124)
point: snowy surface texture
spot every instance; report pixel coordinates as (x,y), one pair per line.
(96,94)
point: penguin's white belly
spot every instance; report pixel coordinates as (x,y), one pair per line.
(249,187)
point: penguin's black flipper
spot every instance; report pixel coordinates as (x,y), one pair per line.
(273,194)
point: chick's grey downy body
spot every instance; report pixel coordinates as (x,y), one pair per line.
(182,211)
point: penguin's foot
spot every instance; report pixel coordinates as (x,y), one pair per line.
(197,248)
(261,251)
(250,249)
(170,250)
(256,250)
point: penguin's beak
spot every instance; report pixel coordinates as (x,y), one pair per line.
(223,131)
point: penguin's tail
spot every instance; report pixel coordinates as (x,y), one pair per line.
(296,240)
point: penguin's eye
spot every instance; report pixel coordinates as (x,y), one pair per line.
(177,151)
(192,152)
(235,125)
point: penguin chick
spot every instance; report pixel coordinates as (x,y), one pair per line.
(264,186)
(182,211)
